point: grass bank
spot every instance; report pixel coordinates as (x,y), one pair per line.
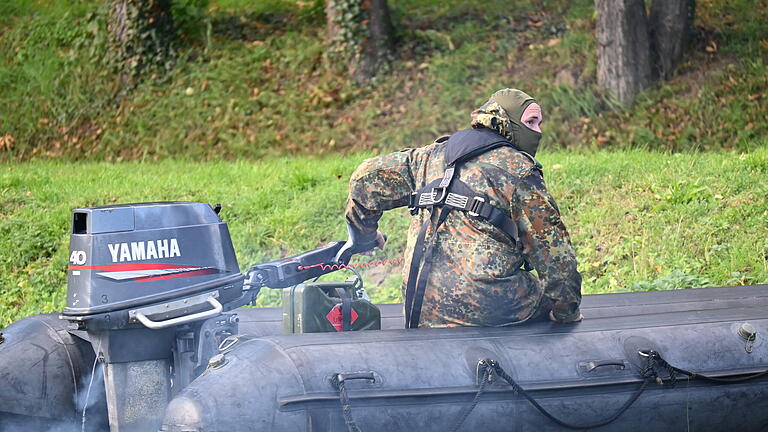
(251,80)
(639,220)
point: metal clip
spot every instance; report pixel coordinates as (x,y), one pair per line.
(443,192)
(748,332)
(477,204)
(482,366)
(228,343)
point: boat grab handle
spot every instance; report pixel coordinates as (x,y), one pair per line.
(591,366)
(155,325)
(340,378)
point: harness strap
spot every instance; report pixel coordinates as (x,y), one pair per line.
(418,254)
(346,309)
(419,284)
(461,197)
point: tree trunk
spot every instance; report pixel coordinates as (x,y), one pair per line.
(670,23)
(623,53)
(360,33)
(141,35)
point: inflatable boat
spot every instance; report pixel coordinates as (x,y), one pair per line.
(154,338)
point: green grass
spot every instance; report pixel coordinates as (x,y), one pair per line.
(639,220)
(251,80)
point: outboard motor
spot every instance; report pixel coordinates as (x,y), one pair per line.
(148,285)
(149,288)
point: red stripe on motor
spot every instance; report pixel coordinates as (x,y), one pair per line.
(129,267)
(201,272)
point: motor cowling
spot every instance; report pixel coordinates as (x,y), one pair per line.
(126,256)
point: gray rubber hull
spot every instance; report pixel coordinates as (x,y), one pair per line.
(45,372)
(425,378)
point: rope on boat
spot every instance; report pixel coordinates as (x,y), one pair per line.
(346,409)
(654,364)
(492,367)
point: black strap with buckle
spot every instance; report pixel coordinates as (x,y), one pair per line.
(461,197)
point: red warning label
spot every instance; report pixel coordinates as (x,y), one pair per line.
(334,317)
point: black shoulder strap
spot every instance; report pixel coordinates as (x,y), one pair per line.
(469,143)
(417,281)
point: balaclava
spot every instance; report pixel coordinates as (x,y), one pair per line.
(502,114)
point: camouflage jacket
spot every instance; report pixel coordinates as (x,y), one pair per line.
(476,277)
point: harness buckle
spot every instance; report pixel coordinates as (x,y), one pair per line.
(443,192)
(412,200)
(476,206)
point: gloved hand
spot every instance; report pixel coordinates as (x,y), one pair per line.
(381,240)
(356,243)
(575,317)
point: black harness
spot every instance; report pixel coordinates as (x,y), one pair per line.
(445,195)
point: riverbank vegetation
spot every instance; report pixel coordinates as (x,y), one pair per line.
(639,220)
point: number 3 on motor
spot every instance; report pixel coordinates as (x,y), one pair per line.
(77,257)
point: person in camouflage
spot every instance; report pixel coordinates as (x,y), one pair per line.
(478,277)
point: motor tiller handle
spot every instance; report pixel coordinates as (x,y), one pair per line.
(290,271)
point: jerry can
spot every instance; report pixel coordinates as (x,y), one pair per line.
(321,306)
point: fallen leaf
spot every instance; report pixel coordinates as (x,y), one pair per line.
(6,142)
(553,42)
